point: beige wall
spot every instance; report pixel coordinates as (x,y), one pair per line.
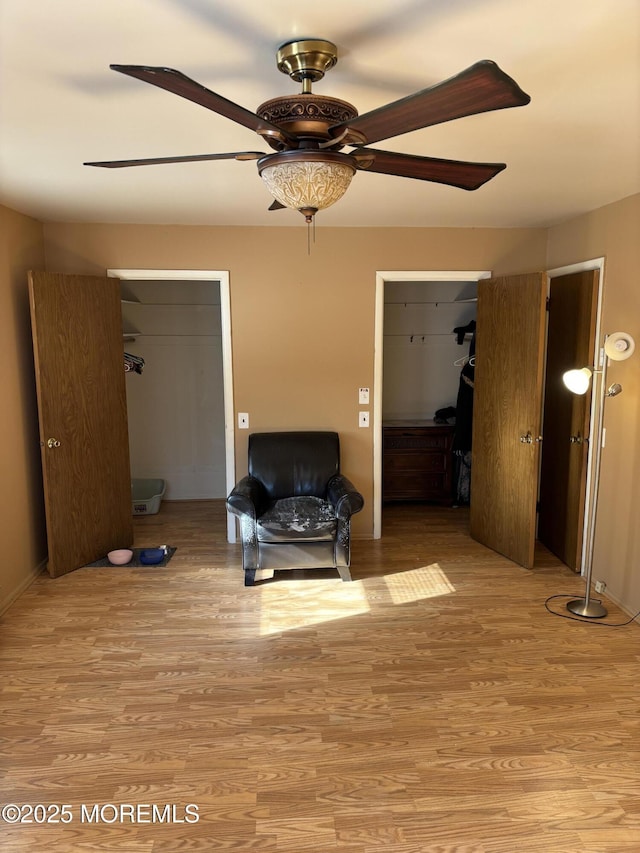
(303,342)
(21,503)
(614,232)
(302,324)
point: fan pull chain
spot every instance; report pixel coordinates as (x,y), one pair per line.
(310,220)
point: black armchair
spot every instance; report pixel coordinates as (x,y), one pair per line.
(294,506)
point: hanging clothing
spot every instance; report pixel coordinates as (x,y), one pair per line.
(133,363)
(462,437)
(462,477)
(461,331)
(464,403)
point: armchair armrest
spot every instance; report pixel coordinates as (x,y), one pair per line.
(247,500)
(343,496)
(247,497)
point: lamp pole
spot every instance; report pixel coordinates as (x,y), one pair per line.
(618,346)
(585,606)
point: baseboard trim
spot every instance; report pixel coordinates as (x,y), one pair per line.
(12,596)
(624,607)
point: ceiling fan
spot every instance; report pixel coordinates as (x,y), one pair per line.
(307,169)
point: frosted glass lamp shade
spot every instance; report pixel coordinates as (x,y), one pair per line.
(577,381)
(307,181)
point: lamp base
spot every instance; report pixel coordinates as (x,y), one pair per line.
(591,609)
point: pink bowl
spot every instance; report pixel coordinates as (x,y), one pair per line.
(120,556)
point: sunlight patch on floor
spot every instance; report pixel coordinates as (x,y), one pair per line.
(302,604)
(298,604)
(425,582)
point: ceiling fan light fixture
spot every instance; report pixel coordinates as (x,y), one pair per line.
(307,181)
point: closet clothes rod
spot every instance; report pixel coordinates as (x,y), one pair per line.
(435,302)
(171,304)
(468,336)
(131,336)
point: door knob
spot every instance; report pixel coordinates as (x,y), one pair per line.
(575,439)
(53,442)
(529,439)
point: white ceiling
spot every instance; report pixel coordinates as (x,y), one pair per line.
(574,148)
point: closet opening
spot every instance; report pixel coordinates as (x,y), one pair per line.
(425,324)
(176,325)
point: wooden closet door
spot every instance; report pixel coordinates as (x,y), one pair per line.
(507,409)
(563,477)
(80,380)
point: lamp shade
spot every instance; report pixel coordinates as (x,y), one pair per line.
(577,381)
(619,346)
(307,181)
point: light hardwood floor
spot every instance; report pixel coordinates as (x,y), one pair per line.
(433,705)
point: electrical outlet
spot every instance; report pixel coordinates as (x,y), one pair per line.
(600,586)
(243,420)
(363,419)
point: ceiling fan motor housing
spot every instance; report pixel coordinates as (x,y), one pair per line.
(306,115)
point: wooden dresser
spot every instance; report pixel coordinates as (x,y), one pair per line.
(417,461)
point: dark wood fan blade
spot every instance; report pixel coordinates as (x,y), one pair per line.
(178,83)
(192,158)
(276,205)
(455,173)
(478,89)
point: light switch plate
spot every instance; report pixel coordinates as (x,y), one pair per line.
(363,419)
(243,420)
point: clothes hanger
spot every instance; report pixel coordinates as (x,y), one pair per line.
(460,362)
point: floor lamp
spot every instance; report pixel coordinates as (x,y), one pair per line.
(618,346)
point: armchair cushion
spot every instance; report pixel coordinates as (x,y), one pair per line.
(302,519)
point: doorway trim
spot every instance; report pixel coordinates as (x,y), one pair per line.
(382,277)
(586,266)
(222,277)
